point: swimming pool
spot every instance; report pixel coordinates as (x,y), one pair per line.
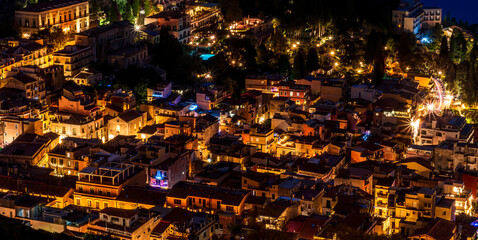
(206,56)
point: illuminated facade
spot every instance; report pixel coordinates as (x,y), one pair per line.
(70,15)
(98,187)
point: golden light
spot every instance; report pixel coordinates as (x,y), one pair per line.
(359,71)
(439,72)
(330,38)
(336,64)
(332,53)
(213,37)
(136,27)
(233,62)
(415,124)
(294,45)
(26,35)
(298,43)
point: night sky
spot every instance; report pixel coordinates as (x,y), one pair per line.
(467,10)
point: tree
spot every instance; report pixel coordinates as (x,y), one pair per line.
(128,13)
(234,230)
(136,8)
(283,64)
(231,9)
(457,46)
(312,61)
(444,47)
(147,7)
(54,37)
(299,64)
(113,14)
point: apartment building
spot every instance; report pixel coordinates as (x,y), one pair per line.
(207,198)
(66,160)
(98,187)
(411,16)
(69,15)
(73,58)
(14,127)
(435,131)
(127,123)
(178,24)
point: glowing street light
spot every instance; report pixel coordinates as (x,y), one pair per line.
(332,53)
(136,27)
(336,64)
(439,72)
(294,45)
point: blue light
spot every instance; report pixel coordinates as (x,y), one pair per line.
(158,95)
(109,85)
(206,57)
(425,40)
(193,107)
(158,176)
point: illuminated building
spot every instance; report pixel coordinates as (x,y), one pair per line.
(276,214)
(127,123)
(14,127)
(73,58)
(69,15)
(178,24)
(435,131)
(28,149)
(106,39)
(381,194)
(206,198)
(68,160)
(28,79)
(160,91)
(125,223)
(98,187)
(203,14)
(264,83)
(208,98)
(262,138)
(87,77)
(412,16)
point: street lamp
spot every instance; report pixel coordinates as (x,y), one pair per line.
(332,53)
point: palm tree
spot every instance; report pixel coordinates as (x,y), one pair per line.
(234,230)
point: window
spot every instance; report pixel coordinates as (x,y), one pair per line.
(92,190)
(78,202)
(229,209)
(61,161)
(97,204)
(53,160)
(444,213)
(177,201)
(245,181)
(105,204)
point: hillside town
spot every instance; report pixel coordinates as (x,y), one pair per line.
(238,119)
